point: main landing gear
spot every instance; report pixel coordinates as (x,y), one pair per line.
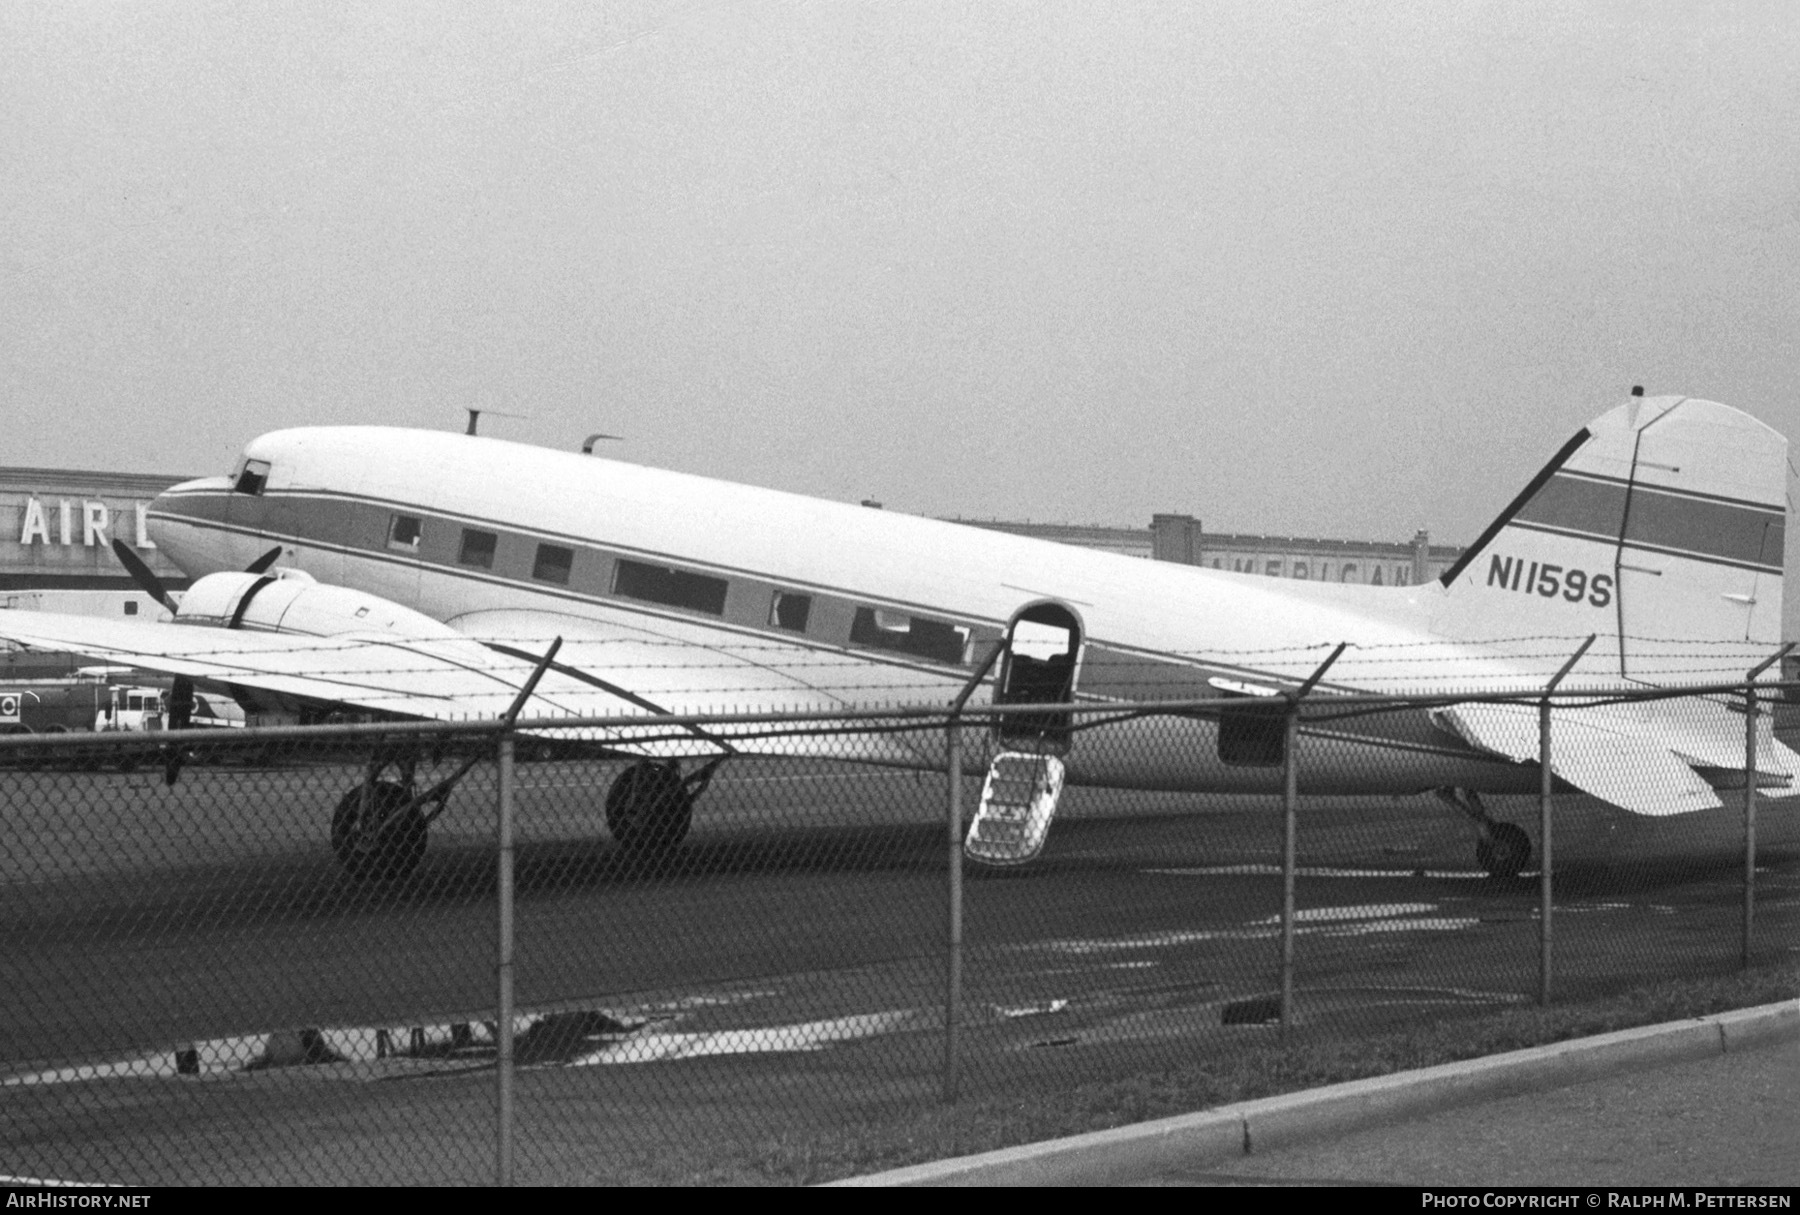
(650,805)
(380,826)
(1502,849)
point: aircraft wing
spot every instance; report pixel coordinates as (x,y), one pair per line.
(601,670)
(441,679)
(1639,758)
(684,667)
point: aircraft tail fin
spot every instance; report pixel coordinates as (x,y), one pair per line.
(1658,527)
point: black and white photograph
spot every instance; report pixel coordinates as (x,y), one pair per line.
(761,593)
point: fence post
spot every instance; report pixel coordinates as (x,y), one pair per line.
(503,962)
(1290,806)
(1290,828)
(1750,712)
(503,1020)
(1546,860)
(1546,830)
(954,960)
(1749,821)
(953,818)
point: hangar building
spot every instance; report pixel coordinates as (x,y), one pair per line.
(56,531)
(1181,538)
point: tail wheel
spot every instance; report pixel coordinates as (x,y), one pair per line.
(384,839)
(1504,850)
(649,808)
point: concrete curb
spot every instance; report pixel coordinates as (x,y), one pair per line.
(1215,1136)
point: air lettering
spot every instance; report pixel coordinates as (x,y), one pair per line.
(37,527)
(88,524)
(95,519)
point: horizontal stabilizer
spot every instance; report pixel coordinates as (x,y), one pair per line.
(1617,761)
(1710,734)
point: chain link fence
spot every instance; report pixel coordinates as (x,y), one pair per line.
(460,954)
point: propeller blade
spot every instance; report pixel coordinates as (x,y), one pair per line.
(143,575)
(181,715)
(181,703)
(262,563)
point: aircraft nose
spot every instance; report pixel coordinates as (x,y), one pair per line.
(182,518)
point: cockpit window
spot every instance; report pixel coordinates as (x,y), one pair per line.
(252,477)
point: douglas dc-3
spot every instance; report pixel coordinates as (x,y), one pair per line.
(424,575)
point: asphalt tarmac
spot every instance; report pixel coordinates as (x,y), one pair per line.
(783,979)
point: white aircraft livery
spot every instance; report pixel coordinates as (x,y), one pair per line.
(425,575)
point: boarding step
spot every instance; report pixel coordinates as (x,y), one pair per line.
(1018,801)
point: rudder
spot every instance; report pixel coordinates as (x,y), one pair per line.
(1659,527)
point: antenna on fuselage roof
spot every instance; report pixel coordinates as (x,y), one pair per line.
(587,444)
(475,416)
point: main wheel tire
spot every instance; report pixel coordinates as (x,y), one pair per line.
(370,845)
(649,809)
(1504,851)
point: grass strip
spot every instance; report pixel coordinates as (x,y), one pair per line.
(1251,1069)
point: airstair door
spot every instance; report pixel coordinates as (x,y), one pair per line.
(1025,780)
(1043,654)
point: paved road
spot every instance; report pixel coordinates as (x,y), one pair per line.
(1729,1120)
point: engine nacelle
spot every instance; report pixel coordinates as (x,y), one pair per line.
(292,602)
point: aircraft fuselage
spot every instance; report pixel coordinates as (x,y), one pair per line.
(888,607)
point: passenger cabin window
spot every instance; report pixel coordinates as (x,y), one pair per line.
(553,564)
(932,639)
(790,611)
(131,607)
(404,533)
(252,477)
(675,588)
(477,549)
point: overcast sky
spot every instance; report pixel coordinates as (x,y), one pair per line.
(1324,268)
